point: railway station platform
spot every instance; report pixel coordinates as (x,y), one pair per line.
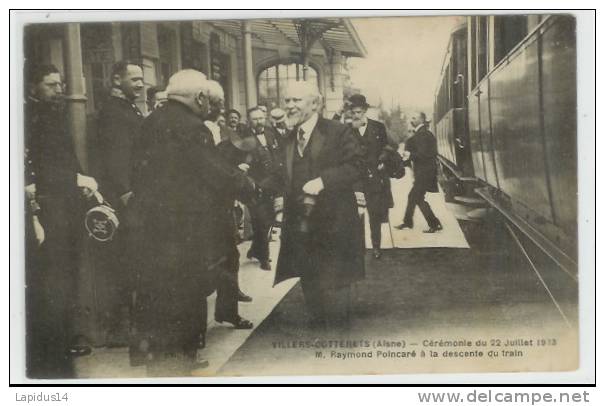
(467,282)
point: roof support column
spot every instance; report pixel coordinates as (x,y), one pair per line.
(248,64)
(76,99)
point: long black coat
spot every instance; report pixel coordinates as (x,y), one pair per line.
(334,248)
(181,175)
(423,155)
(51,269)
(119,125)
(181,220)
(376,184)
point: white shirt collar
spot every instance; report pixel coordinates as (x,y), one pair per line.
(364,127)
(215,130)
(262,139)
(418,127)
(309,125)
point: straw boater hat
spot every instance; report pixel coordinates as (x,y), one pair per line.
(278,115)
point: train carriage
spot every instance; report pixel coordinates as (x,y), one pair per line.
(505,120)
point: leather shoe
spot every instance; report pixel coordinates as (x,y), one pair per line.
(265,265)
(239,323)
(377,253)
(242,297)
(434,229)
(404,225)
(250,254)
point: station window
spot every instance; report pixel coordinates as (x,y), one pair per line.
(273,81)
(98,59)
(166,45)
(508,32)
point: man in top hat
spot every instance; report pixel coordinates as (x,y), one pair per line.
(422,147)
(376,184)
(322,237)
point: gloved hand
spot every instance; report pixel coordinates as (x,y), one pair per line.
(278,208)
(313,187)
(88,183)
(244,167)
(125,198)
(30,191)
(360,197)
(38,231)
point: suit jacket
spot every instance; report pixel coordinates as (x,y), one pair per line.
(262,162)
(423,155)
(119,125)
(376,184)
(334,247)
(51,161)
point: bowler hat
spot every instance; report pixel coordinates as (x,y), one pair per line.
(358,100)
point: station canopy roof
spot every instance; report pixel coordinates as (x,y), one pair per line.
(336,33)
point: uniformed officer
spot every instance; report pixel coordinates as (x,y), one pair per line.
(53,178)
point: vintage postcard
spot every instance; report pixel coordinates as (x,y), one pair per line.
(299,196)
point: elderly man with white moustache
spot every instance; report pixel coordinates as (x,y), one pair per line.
(180,185)
(322,236)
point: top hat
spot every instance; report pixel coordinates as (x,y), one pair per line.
(358,100)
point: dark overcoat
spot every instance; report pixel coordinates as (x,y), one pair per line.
(262,161)
(51,268)
(334,246)
(119,124)
(376,184)
(182,223)
(423,155)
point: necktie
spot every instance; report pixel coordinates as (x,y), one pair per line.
(301,141)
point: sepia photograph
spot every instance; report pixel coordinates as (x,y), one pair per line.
(305,196)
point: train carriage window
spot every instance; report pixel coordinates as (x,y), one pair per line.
(482,46)
(508,32)
(472,39)
(459,69)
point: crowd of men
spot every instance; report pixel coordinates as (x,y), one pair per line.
(177,180)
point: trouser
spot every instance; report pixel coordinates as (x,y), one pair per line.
(51,272)
(173,283)
(114,288)
(262,218)
(227,290)
(375,220)
(330,305)
(416,198)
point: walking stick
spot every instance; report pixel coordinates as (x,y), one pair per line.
(390,231)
